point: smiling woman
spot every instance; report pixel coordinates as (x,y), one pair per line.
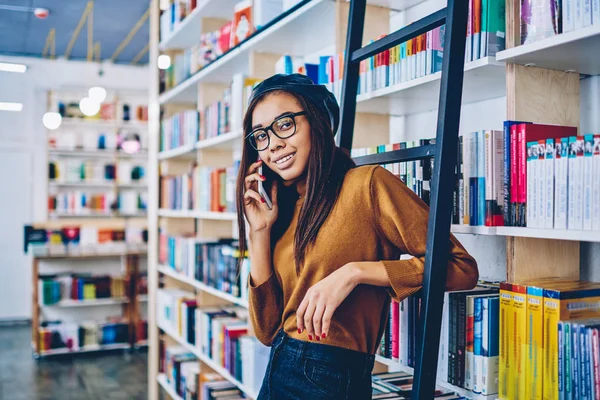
(325,257)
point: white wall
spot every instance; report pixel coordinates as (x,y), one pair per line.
(23,176)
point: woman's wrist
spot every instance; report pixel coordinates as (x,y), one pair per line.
(354,273)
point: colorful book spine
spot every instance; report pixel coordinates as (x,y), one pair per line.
(535,320)
(520,340)
(505,375)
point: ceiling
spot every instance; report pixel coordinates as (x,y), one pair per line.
(22,34)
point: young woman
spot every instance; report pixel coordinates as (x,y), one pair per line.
(325,257)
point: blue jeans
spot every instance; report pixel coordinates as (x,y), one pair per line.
(303,370)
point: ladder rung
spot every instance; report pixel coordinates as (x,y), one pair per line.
(411,31)
(403,155)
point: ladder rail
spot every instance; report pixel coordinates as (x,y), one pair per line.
(445,154)
(440,211)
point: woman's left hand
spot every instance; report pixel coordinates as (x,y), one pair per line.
(321,300)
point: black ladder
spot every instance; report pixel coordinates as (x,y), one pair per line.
(454,16)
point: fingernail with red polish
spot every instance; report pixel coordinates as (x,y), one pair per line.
(299,330)
(262,200)
(263,178)
(309,337)
(324,335)
(318,339)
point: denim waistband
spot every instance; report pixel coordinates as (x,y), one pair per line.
(361,363)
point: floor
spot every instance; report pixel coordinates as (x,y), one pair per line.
(116,375)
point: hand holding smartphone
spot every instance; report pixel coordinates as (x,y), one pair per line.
(262,191)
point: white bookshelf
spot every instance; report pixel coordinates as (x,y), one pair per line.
(216,216)
(572,51)
(226,141)
(101,124)
(208,361)
(422,94)
(280,38)
(185,33)
(170,272)
(182,152)
(556,234)
(87,349)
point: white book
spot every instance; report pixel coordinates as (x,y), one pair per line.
(579,184)
(403,345)
(561,154)
(404,66)
(587,13)
(485,327)
(578,14)
(466,155)
(469,354)
(568,15)
(572,184)
(595,12)
(442,371)
(541,185)
(596,185)
(549,197)
(489,162)
(588,170)
(531,185)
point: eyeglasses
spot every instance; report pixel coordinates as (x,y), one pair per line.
(283,127)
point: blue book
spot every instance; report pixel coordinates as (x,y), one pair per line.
(481,178)
(477,339)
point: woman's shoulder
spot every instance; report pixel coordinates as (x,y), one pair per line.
(367,175)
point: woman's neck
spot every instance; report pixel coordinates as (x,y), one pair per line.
(301,187)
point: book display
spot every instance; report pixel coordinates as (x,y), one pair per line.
(526,174)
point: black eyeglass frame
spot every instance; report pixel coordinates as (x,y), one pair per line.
(270,128)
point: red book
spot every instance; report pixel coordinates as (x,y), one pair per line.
(530,133)
(513,174)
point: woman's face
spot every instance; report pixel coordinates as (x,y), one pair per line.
(286,157)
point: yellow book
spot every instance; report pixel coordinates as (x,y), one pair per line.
(575,300)
(504,375)
(519,349)
(535,337)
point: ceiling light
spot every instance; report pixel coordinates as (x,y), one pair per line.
(10,67)
(52,120)
(89,107)
(97,94)
(164,61)
(11,106)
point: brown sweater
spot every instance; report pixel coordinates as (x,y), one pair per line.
(376,218)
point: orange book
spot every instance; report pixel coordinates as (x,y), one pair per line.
(242,26)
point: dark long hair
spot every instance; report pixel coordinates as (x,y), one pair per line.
(327,167)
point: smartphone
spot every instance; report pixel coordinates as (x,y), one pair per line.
(262,191)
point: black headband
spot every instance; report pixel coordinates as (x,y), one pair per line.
(301,84)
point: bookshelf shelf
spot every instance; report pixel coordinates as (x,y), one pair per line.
(224,141)
(186,33)
(421,94)
(89,256)
(87,349)
(201,286)
(186,152)
(102,124)
(82,184)
(571,51)
(82,153)
(99,214)
(218,216)
(279,37)
(89,302)
(556,234)
(210,363)
(162,381)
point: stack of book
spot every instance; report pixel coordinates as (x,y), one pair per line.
(416,175)
(204,189)
(529,175)
(398,385)
(55,288)
(549,339)
(215,118)
(82,202)
(78,171)
(469,346)
(74,337)
(219,333)
(212,262)
(181,129)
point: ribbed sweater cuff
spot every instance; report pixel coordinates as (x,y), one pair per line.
(265,295)
(406,277)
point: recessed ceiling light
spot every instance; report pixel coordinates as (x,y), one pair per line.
(10,67)
(11,106)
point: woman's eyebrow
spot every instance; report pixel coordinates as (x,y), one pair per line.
(277,117)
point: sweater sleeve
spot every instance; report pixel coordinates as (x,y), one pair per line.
(401,218)
(265,308)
